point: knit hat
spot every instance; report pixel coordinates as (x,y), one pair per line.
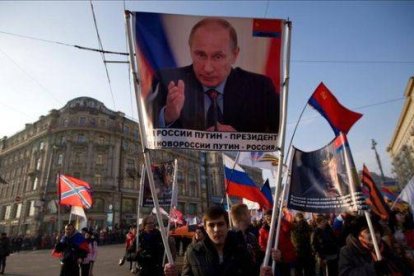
(360,223)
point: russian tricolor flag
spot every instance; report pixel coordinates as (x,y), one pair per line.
(239,184)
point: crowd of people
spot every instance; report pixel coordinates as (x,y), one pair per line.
(232,244)
(316,244)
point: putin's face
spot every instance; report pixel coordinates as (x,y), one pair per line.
(212,54)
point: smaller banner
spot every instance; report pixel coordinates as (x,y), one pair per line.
(163,180)
(319,182)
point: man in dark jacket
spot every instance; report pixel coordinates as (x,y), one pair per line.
(4,251)
(223,252)
(74,248)
(358,256)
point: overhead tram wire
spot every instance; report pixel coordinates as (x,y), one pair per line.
(292,60)
(102,54)
(31,77)
(66,44)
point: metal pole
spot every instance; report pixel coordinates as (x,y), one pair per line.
(143,132)
(229,211)
(281,138)
(374,144)
(173,202)
(139,201)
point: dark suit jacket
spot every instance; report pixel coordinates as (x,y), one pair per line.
(250,102)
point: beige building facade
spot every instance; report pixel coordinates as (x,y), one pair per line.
(88,141)
(401,147)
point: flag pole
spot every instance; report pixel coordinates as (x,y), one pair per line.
(282,134)
(139,202)
(59,226)
(173,202)
(395,201)
(228,210)
(143,131)
(351,187)
(70,214)
(236,161)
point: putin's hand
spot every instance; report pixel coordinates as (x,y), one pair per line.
(175,101)
(223,128)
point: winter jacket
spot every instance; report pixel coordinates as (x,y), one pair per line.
(301,239)
(93,251)
(355,260)
(202,258)
(4,247)
(324,242)
(263,236)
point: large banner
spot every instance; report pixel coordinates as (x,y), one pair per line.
(164,185)
(319,180)
(209,83)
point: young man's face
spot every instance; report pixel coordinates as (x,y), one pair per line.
(69,230)
(212,54)
(366,239)
(217,230)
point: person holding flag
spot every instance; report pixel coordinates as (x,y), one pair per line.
(73,248)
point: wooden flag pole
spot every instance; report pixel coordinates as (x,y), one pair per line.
(282,134)
(351,188)
(143,131)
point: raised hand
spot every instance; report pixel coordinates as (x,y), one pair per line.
(175,101)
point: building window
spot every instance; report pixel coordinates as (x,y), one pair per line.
(35,183)
(18,210)
(38,163)
(101,140)
(99,159)
(129,205)
(60,159)
(81,138)
(126,130)
(82,121)
(7,212)
(66,122)
(192,209)
(98,179)
(102,123)
(32,208)
(42,146)
(98,205)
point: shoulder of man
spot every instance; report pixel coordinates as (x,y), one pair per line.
(244,74)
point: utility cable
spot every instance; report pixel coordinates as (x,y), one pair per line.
(65,44)
(30,77)
(102,54)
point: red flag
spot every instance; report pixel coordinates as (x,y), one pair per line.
(176,216)
(272,29)
(375,199)
(339,117)
(74,192)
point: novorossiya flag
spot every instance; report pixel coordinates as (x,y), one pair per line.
(74,192)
